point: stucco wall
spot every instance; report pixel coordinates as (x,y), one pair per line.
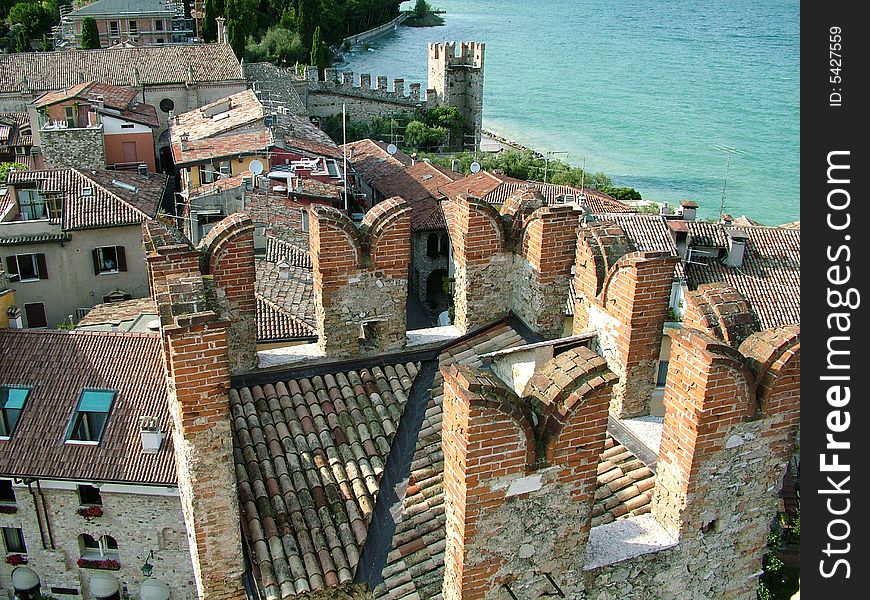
(71,282)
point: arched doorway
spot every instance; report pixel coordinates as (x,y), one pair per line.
(436,296)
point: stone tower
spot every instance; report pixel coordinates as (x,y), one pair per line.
(458,81)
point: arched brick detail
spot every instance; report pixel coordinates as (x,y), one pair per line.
(575,388)
(630,313)
(547,241)
(487,442)
(774,357)
(476,229)
(603,245)
(722,311)
(519,206)
(167,253)
(228,256)
(386,235)
(334,241)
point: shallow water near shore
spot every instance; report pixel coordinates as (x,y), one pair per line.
(645,91)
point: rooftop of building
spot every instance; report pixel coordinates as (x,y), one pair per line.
(112,100)
(15,129)
(97,198)
(285,303)
(127,315)
(100,8)
(315,446)
(155,65)
(57,367)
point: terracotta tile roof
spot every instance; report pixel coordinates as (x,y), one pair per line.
(792,225)
(769,277)
(114,96)
(173,63)
(115,312)
(108,204)
(480,184)
(275,324)
(18,122)
(415,564)
(432,176)
(596,202)
(625,485)
(649,233)
(57,366)
(711,235)
(33,238)
(230,144)
(278,249)
(428,216)
(309,456)
(384,172)
(288,304)
(232,112)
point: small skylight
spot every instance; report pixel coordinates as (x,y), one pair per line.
(89,420)
(12,401)
(220,116)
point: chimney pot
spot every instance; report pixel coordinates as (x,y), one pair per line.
(152,437)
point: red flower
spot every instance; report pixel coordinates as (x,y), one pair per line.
(108,564)
(16,559)
(90,511)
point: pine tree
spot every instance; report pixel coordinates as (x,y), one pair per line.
(316,51)
(212,10)
(90,34)
(305,21)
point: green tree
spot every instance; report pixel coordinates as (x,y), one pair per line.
(420,135)
(212,10)
(90,34)
(30,15)
(421,9)
(241,22)
(10,166)
(278,46)
(305,21)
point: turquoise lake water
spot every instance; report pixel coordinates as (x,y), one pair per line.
(645,91)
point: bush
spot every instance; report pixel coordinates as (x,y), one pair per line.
(279,46)
(420,135)
(15,560)
(90,511)
(107,564)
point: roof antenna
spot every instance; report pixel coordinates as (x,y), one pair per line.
(730,151)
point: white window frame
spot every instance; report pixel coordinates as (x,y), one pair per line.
(102,551)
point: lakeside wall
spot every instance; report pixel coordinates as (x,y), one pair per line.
(377,32)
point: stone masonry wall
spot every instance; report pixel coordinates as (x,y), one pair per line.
(517,261)
(519,477)
(361,100)
(361,278)
(139,523)
(457,79)
(79,148)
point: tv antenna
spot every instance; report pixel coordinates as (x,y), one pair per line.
(730,151)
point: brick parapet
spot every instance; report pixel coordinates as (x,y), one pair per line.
(513,508)
(361,278)
(722,311)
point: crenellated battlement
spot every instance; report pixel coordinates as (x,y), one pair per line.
(470,54)
(348,83)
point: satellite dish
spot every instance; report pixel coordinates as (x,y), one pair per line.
(256,167)
(475,167)
(392,149)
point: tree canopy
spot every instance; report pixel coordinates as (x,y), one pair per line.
(90,34)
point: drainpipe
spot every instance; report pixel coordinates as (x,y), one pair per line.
(44,528)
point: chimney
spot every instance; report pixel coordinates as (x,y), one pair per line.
(283,269)
(221,30)
(142,169)
(689,209)
(736,248)
(152,437)
(248,182)
(101,101)
(81,77)
(665,209)
(454,165)
(726,219)
(14,314)
(135,81)
(299,185)
(184,139)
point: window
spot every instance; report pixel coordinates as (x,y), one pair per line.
(206,175)
(89,420)
(32,205)
(88,494)
(70,116)
(105,547)
(158,25)
(7,494)
(26,267)
(304,220)
(109,259)
(134,27)
(662,375)
(167,105)
(11,403)
(128,126)
(35,313)
(14,540)
(113,28)
(160,40)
